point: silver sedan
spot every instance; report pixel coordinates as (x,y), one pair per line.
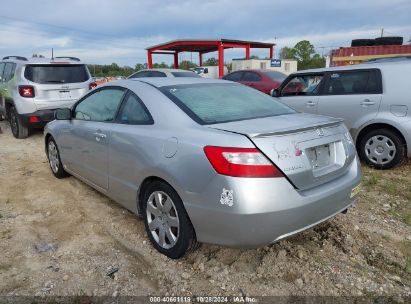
(206,160)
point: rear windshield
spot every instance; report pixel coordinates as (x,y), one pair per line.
(218,103)
(276,76)
(184,74)
(56,73)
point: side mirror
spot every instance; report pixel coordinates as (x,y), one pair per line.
(274,93)
(63,114)
(205,71)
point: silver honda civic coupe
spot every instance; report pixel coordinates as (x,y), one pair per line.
(206,160)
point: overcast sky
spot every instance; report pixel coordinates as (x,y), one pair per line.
(107,31)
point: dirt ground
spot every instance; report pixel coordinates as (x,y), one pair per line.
(60,237)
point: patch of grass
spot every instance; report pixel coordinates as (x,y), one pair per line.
(370,180)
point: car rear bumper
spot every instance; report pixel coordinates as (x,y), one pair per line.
(37,119)
(267,210)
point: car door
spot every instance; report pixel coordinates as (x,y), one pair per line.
(354,95)
(87,138)
(301,91)
(132,145)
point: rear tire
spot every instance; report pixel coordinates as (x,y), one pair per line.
(382,149)
(53,155)
(163,210)
(17,128)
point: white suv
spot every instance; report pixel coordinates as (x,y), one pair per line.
(373,98)
(31,89)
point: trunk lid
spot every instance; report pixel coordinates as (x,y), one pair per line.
(309,149)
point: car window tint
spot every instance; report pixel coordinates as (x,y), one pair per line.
(8,71)
(302,85)
(276,76)
(236,76)
(156,74)
(217,103)
(133,111)
(355,82)
(139,74)
(250,76)
(56,73)
(1,70)
(185,74)
(99,106)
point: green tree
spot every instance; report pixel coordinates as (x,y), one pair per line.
(186,65)
(304,53)
(211,61)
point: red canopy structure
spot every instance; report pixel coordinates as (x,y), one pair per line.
(205,46)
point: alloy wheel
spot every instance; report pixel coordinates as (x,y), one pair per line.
(162,219)
(53,156)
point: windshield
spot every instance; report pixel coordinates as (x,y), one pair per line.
(276,76)
(184,74)
(218,103)
(56,73)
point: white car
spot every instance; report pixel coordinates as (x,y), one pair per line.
(162,73)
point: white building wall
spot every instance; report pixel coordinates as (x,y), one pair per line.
(288,66)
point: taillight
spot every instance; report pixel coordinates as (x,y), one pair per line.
(26,91)
(34,119)
(240,162)
(92,85)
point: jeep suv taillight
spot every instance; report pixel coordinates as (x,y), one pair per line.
(26,91)
(241,162)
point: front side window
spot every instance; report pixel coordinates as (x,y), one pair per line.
(218,103)
(302,85)
(1,70)
(56,73)
(134,112)
(101,105)
(352,82)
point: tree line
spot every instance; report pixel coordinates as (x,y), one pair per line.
(303,52)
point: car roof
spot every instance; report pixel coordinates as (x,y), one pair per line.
(169,81)
(38,60)
(365,65)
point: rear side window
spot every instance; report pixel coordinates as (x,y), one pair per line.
(143,74)
(276,76)
(8,72)
(134,112)
(250,76)
(101,105)
(353,82)
(236,76)
(185,74)
(56,73)
(217,103)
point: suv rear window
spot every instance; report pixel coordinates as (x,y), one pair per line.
(56,73)
(218,103)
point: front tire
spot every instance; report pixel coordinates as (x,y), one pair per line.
(167,224)
(382,149)
(53,156)
(17,128)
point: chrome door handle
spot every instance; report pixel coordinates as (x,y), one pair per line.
(310,103)
(367,102)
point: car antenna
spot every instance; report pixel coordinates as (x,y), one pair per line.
(52,54)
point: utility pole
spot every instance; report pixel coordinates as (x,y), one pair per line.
(382,32)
